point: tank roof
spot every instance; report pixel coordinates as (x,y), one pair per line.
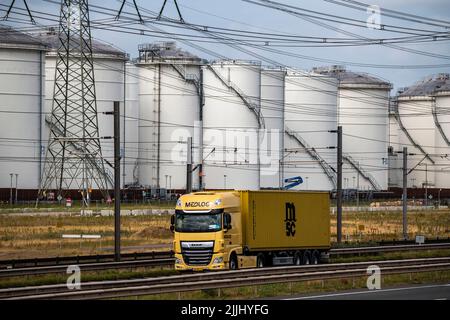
(164,50)
(351,78)
(12,38)
(51,39)
(427,86)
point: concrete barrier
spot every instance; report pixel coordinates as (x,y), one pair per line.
(87,213)
(106,213)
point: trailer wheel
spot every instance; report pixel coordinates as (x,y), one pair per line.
(306,257)
(233,265)
(260,261)
(315,257)
(297,258)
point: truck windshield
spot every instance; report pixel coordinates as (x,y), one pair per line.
(198,222)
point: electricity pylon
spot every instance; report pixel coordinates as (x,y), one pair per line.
(74,157)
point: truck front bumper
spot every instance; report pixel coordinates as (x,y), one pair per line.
(213,265)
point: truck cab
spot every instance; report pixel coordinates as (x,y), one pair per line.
(246,229)
(207,231)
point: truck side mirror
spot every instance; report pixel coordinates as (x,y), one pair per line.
(172,223)
(227,221)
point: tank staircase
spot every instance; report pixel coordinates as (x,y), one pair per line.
(252,106)
(367,176)
(437,123)
(394,111)
(188,77)
(327,169)
(79,148)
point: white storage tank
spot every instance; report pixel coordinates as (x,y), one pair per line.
(130,127)
(231,119)
(442,131)
(416,106)
(272,138)
(310,114)
(22,60)
(169,81)
(363,113)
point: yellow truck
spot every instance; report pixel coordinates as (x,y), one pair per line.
(247,229)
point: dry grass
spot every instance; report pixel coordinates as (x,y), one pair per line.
(30,236)
(388,225)
(39,236)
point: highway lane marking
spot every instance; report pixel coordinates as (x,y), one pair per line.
(368,291)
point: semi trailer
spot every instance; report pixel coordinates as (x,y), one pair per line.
(248,229)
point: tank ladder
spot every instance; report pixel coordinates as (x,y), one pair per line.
(252,106)
(188,77)
(394,110)
(437,123)
(327,169)
(367,176)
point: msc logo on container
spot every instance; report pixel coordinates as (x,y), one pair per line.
(195,204)
(290,219)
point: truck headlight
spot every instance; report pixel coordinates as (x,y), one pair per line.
(218,260)
(178,261)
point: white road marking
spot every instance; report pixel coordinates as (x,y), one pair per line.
(368,291)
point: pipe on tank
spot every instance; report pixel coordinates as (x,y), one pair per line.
(41,97)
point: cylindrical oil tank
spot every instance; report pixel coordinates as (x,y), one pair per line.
(169,82)
(109,78)
(416,106)
(272,136)
(130,127)
(309,116)
(363,113)
(442,112)
(231,119)
(22,60)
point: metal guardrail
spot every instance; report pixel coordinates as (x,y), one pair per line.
(12,268)
(383,249)
(222,279)
(86,267)
(55,261)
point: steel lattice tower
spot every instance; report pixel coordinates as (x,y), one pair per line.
(74,157)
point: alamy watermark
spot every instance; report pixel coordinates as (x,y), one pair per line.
(230,146)
(374,278)
(74,280)
(374,19)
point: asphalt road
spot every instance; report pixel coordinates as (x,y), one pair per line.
(420,292)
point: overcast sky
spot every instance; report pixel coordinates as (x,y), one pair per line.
(237,14)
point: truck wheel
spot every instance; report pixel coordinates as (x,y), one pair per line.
(260,261)
(297,258)
(306,258)
(315,257)
(233,265)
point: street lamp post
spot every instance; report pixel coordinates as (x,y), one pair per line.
(426,184)
(225,182)
(170,184)
(357,188)
(306,178)
(439,198)
(10,190)
(17,178)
